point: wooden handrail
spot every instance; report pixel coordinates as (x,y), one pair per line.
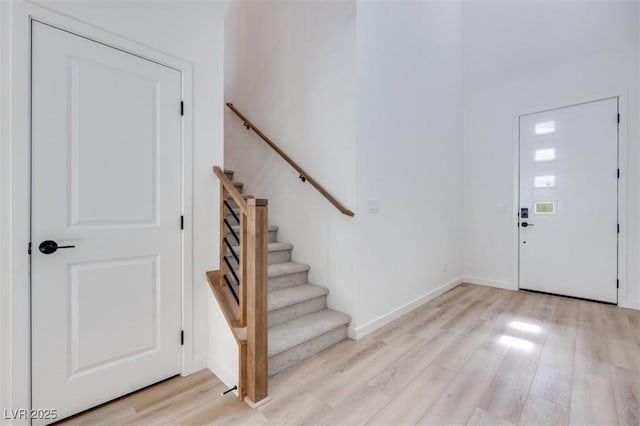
(303,174)
(244,300)
(231,188)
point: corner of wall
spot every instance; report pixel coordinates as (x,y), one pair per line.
(373,325)
(630,304)
(506,285)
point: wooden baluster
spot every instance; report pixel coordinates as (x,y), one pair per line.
(256,284)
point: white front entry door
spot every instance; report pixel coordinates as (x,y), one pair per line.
(106,179)
(568,235)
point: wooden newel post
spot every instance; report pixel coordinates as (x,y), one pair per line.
(257,307)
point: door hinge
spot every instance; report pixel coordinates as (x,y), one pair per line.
(29,249)
(617,283)
(618,117)
(618,228)
(618,173)
(181,222)
(181,107)
(181,337)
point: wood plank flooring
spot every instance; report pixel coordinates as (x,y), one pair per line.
(474,356)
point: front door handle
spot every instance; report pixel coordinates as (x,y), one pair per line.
(50,247)
(525,224)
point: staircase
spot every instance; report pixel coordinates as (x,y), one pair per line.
(300,324)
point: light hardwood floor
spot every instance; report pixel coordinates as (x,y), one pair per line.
(475,355)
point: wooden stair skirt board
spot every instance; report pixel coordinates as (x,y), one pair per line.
(299,322)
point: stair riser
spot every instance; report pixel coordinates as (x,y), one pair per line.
(231,219)
(279,256)
(274,257)
(229,175)
(303,351)
(298,310)
(277,283)
(231,239)
(273,237)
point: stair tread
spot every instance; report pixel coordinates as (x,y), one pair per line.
(286,268)
(272,247)
(304,329)
(275,270)
(292,333)
(284,297)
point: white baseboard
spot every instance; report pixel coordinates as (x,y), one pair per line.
(371,326)
(199,362)
(225,375)
(490,283)
(194,365)
(630,304)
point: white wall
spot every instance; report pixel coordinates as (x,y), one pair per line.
(409,151)
(290,68)
(190,31)
(300,71)
(527,56)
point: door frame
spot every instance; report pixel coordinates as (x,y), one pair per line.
(16,391)
(622,95)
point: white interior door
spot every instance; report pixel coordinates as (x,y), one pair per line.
(106,179)
(569,201)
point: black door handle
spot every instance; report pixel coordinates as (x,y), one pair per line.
(49,247)
(525,224)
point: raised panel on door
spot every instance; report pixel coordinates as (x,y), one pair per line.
(106,179)
(129,161)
